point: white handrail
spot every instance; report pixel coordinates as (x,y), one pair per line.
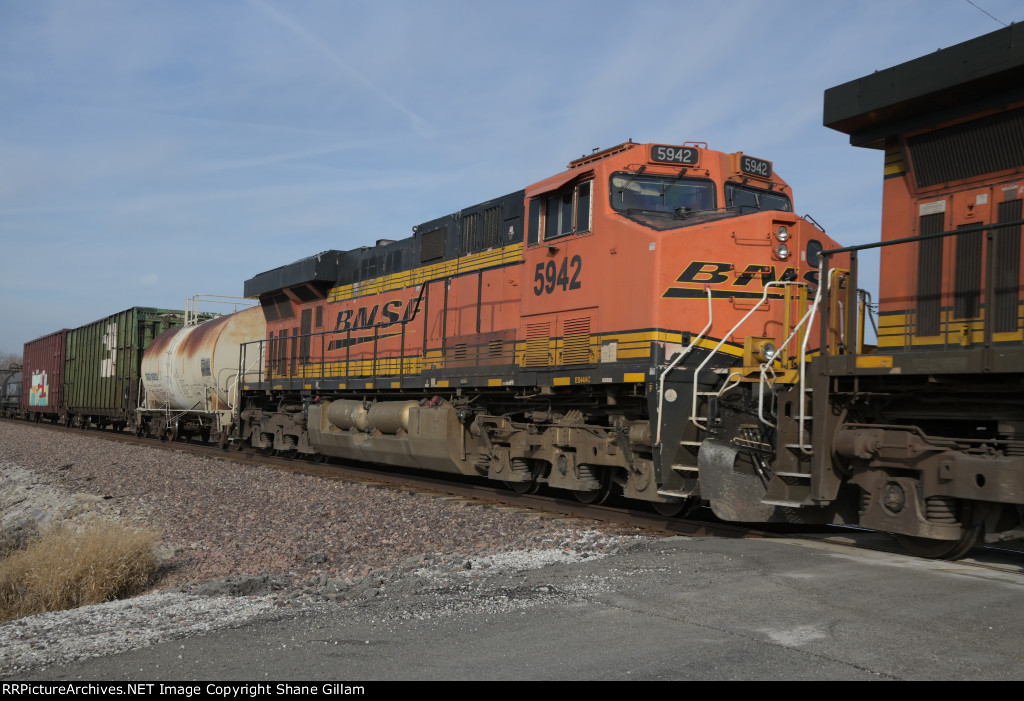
(679,356)
(696,373)
(803,357)
(780,353)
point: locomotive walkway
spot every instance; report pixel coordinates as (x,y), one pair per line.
(674,609)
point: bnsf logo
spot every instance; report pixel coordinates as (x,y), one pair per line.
(703,272)
(364,317)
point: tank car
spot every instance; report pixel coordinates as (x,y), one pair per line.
(585,333)
(191,377)
(10,390)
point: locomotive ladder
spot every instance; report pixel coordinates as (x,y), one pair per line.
(734,377)
(800,334)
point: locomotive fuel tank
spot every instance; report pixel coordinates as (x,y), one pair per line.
(196,367)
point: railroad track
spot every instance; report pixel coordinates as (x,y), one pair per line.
(446,486)
(618,512)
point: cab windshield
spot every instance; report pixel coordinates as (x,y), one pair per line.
(661,194)
(665,202)
(747,199)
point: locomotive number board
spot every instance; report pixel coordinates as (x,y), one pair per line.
(755,166)
(677,155)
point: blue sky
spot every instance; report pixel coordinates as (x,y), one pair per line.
(155,150)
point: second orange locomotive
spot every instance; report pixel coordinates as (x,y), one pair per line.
(581,332)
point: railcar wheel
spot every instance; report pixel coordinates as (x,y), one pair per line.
(599,495)
(941,549)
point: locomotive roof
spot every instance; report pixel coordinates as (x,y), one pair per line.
(322,266)
(984,72)
(389,256)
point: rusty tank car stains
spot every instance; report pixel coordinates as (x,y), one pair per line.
(190,376)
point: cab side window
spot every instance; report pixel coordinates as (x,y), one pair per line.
(561,213)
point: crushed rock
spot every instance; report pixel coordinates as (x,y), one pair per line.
(316,546)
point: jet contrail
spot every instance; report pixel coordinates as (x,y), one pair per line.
(419,125)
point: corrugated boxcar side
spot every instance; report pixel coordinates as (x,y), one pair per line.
(103,361)
(42,384)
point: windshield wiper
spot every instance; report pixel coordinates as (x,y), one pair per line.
(632,177)
(668,187)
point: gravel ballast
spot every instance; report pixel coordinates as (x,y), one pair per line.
(239,542)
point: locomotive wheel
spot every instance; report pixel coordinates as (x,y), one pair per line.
(941,549)
(970,536)
(599,495)
(671,508)
(530,487)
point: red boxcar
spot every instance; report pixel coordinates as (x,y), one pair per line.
(42,389)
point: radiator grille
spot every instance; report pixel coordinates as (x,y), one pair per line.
(576,341)
(967,278)
(985,145)
(491,229)
(538,337)
(929,275)
(1007,277)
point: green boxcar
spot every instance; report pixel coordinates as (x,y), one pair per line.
(102,362)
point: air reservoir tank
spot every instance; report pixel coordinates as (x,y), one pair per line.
(196,367)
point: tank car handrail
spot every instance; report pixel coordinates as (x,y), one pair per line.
(192,305)
(232,388)
(679,356)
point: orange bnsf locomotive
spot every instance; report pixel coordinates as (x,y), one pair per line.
(588,333)
(655,320)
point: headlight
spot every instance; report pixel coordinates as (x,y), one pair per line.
(766,352)
(782,251)
(782,234)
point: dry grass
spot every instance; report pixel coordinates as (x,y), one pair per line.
(65,568)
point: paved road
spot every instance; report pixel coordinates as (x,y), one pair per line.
(678,608)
